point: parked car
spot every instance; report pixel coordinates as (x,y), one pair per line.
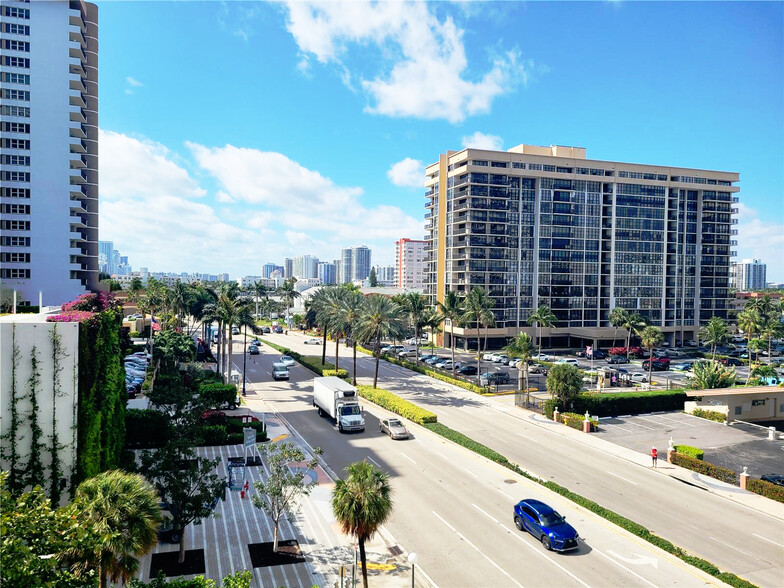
(543,357)
(287,361)
(570,361)
(468,370)
(488,356)
(411,352)
(235,330)
(422,339)
(425,356)
(777,479)
(313,341)
(638,378)
(500,358)
(515,362)
(445,364)
(433,360)
(544,523)
(537,369)
(614,359)
(394,428)
(253,350)
(494,379)
(660,364)
(729,361)
(597,354)
(392,349)
(686,366)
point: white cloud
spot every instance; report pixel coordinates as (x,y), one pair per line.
(409,173)
(133,82)
(422,66)
(760,238)
(483,141)
(221,196)
(132,168)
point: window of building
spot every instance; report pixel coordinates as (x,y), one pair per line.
(16,29)
(535,166)
(498,164)
(13,61)
(14,257)
(15,160)
(15,208)
(16,12)
(14,176)
(15,144)
(15,225)
(14,45)
(8,192)
(8,110)
(16,78)
(15,127)
(14,241)
(14,94)
(548,168)
(479,163)
(14,273)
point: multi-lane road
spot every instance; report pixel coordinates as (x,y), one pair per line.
(455,509)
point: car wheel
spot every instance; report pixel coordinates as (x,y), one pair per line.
(519,523)
(340,427)
(320,412)
(546,542)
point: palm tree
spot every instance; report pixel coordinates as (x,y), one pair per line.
(634,324)
(650,338)
(619,316)
(178,300)
(361,503)
(543,317)
(749,321)
(415,305)
(350,315)
(715,333)
(451,309)
(381,319)
(125,511)
(771,328)
(477,309)
(707,375)
(332,317)
(522,347)
(259,291)
(317,303)
(287,295)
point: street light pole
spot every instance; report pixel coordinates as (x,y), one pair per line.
(244,358)
(412,559)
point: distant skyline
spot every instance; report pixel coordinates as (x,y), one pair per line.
(238,133)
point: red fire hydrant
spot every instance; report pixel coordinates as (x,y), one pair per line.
(244,489)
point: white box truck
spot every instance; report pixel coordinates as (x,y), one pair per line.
(340,401)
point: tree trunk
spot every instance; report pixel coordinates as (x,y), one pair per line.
(324,347)
(378,359)
(416,342)
(650,367)
(628,342)
(337,349)
(527,385)
(478,354)
(363,561)
(452,339)
(354,372)
(275,538)
(181,559)
(615,336)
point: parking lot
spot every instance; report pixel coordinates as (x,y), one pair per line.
(733,446)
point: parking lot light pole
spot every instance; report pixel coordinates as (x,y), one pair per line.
(412,559)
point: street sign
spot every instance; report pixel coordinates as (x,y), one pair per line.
(249,437)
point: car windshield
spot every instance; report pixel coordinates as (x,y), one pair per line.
(395,423)
(551,519)
(286,358)
(349,410)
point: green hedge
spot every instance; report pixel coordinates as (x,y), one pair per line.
(704,467)
(390,401)
(217,395)
(341,373)
(613,404)
(694,452)
(711,415)
(766,489)
(146,428)
(213,435)
(621,521)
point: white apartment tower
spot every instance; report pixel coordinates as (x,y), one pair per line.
(49,149)
(749,275)
(354,264)
(410,264)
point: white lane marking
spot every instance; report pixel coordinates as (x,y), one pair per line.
(375,462)
(634,424)
(622,478)
(768,540)
(624,567)
(638,560)
(536,550)
(509,496)
(614,426)
(735,548)
(472,473)
(498,439)
(529,438)
(442,455)
(408,458)
(443,521)
(500,569)
(488,515)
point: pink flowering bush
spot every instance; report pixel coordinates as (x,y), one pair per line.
(90,302)
(70,316)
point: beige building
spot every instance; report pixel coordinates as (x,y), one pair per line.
(547,226)
(410,263)
(754,403)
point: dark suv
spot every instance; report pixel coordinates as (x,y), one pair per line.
(494,379)
(660,364)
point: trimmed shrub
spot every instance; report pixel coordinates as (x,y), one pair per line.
(711,415)
(694,452)
(146,428)
(549,407)
(766,489)
(217,396)
(235,439)
(213,435)
(704,467)
(611,404)
(135,335)
(341,373)
(390,401)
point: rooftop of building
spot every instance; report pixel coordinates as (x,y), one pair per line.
(742,391)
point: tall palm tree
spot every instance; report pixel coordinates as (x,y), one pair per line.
(332,317)
(317,303)
(650,338)
(178,300)
(619,316)
(259,291)
(522,347)
(749,321)
(381,319)
(350,315)
(124,509)
(715,333)
(361,503)
(543,317)
(771,328)
(288,295)
(477,309)
(634,324)
(451,309)
(415,305)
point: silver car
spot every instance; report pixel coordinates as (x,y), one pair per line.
(394,428)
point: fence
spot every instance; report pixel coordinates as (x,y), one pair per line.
(533,403)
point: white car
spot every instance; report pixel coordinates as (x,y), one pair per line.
(543,357)
(313,341)
(488,356)
(422,340)
(570,361)
(500,358)
(513,363)
(638,378)
(445,364)
(287,361)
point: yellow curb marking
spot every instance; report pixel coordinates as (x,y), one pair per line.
(280,437)
(379,566)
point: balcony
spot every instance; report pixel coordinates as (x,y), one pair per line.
(78,131)
(77,145)
(76,83)
(78,69)
(76,177)
(77,99)
(77,163)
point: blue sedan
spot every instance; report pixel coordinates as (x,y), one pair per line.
(545,524)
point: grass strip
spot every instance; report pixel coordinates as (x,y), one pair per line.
(312,363)
(613,517)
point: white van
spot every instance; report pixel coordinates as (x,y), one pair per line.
(280,371)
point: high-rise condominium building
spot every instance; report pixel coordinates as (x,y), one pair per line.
(546,226)
(49,149)
(410,263)
(288,267)
(266,271)
(354,264)
(385,275)
(326,272)
(748,275)
(305,266)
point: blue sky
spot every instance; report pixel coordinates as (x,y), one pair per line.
(237,133)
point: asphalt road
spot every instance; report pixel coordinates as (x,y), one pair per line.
(455,509)
(735,538)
